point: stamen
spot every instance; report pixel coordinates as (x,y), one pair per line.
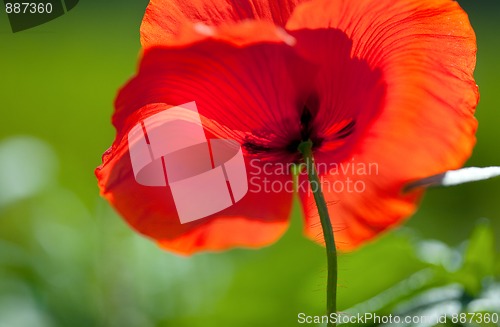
(346,130)
(253,147)
(305,124)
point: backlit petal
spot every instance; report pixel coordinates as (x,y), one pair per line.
(165,20)
(248,94)
(424,55)
(258,219)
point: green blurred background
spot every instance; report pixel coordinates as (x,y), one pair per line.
(66,259)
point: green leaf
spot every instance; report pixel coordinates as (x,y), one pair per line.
(479,259)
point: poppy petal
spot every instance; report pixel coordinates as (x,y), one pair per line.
(424,54)
(165,20)
(248,94)
(258,219)
(252,88)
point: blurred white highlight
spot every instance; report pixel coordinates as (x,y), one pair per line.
(455,177)
(470,174)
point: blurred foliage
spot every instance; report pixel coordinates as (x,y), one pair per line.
(452,281)
(66,259)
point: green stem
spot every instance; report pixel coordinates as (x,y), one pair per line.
(331,251)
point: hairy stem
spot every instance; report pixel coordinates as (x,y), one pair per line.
(331,251)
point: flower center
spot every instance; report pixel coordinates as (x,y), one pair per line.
(306,132)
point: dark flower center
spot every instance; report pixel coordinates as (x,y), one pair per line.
(306,132)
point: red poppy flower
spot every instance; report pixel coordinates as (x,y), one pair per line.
(383,82)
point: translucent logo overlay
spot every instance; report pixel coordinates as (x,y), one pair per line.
(170,149)
(24,14)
